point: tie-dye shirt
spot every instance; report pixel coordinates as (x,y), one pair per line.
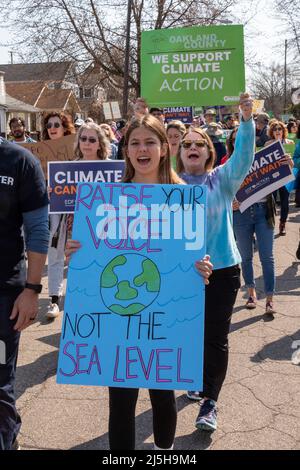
(222,184)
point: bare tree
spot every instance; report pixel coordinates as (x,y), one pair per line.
(290,16)
(92,32)
(268,83)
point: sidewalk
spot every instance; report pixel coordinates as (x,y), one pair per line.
(258,405)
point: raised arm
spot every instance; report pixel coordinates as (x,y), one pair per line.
(236,168)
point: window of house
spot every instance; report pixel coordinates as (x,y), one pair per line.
(88,93)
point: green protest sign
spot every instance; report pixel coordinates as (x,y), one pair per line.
(196,66)
(289,148)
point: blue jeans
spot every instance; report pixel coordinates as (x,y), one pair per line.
(10,421)
(245,225)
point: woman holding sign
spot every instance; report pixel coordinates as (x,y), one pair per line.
(278,132)
(147,160)
(56,126)
(258,220)
(195,163)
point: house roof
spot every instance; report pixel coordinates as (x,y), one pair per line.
(58,99)
(28,92)
(37,94)
(91,77)
(53,99)
(13,104)
(36,71)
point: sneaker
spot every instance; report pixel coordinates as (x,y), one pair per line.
(282,230)
(251,303)
(269,308)
(192,395)
(207,417)
(53,311)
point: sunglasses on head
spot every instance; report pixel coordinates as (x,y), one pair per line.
(277,129)
(91,140)
(186,144)
(55,124)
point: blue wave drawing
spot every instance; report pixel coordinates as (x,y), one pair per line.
(176,299)
(94,262)
(178,267)
(81,291)
(183,321)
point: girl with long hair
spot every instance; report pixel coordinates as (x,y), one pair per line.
(147,160)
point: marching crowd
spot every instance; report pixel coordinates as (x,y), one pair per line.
(154,152)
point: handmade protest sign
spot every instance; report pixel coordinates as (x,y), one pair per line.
(64,178)
(196,66)
(265,176)
(52,150)
(181,113)
(134,310)
(258,106)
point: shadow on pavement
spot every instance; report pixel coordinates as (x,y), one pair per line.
(279,350)
(38,372)
(247,322)
(195,440)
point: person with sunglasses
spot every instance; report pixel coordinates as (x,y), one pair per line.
(195,165)
(55,126)
(91,143)
(278,132)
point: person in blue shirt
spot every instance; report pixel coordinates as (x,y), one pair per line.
(195,165)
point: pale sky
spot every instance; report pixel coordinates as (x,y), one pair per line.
(264,39)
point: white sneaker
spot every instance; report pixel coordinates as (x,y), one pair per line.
(53,311)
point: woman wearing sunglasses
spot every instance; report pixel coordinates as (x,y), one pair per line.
(56,126)
(278,132)
(91,143)
(195,163)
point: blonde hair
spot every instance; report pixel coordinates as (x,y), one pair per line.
(104,149)
(142,101)
(106,127)
(178,125)
(166,174)
(209,164)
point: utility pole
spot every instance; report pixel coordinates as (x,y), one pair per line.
(126,64)
(285,72)
(11,56)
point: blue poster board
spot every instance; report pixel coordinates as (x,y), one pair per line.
(63,178)
(265,176)
(134,309)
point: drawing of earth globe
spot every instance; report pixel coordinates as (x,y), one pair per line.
(129,284)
